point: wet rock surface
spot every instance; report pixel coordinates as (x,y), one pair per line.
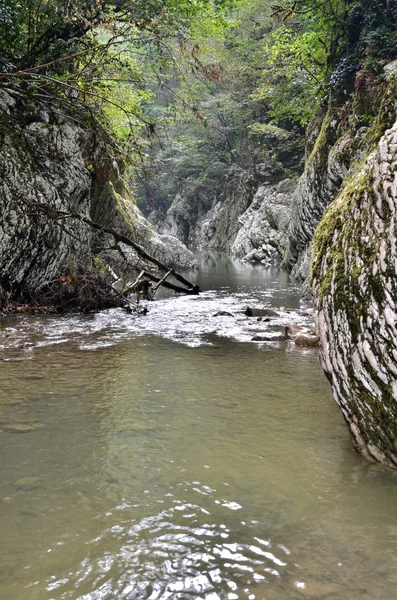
(260,312)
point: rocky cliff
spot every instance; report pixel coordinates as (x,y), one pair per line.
(246,216)
(49,161)
(355,290)
(347,200)
(338,141)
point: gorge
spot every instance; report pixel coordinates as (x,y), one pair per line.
(188,447)
(250,191)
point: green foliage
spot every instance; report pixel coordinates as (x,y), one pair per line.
(268,132)
(99,263)
(220,83)
(377,25)
(97,58)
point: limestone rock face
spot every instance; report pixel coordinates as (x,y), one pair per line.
(325,171)
(206,219)
(347,133)
(262,236)
(41,163)
(247,218)
(48,159)
(355,292)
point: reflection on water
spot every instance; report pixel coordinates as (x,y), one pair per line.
(152,469)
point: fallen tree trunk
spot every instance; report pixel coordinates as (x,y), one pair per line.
(189,288)
(161,282)
(171,286)
(139,250)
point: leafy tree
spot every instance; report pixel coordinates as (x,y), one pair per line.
(95,56)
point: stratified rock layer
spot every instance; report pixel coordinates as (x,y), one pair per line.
(263,226)
(51,162)
(336,145)
(247,216)
(355,292)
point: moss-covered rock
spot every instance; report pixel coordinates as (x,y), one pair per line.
(349,131)
(354,285)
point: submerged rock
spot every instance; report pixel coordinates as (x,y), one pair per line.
(27,484)
(303,335)
(20,428)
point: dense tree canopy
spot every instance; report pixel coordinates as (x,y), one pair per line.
(97,56)
(219,82)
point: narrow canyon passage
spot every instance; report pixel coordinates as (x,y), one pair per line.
(168,456)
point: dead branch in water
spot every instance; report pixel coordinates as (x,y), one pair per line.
(189,288)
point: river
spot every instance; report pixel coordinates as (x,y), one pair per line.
(168,456)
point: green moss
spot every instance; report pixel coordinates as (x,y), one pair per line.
(386,116)
(324,140)
(101,266)
(329,273)
(337,280)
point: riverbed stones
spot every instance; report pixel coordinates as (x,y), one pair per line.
(306,339)
(27,484)
(260,312)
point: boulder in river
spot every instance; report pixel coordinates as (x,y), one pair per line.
(306,338)
(260,312)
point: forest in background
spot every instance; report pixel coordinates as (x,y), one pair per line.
(185,91)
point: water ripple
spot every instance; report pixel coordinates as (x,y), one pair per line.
(159,559)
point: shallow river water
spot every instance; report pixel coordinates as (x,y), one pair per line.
(168,456)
